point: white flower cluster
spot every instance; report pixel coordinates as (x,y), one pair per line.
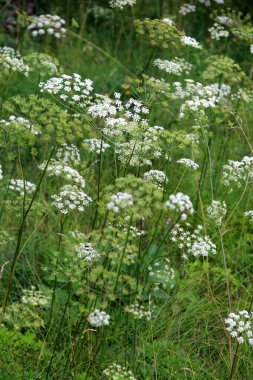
(35,297)
(157,177)
(1,172)
(240,326)
(222,91)
(122,3)
(59,169)
(251,49)
(225,20)
(207,3)
(70,88)
(186,8)
(134,108)
(161,275)
(177,66)
(68,154)
(217,211)
(217,32)
(20,123)
(202,97)
(236,172)
(193,243)
(120,201)
(12,61)
(52,25)
(21,186)
(87,252)
(71,198)
(138,311)
(188,163)
(249,214)
(142,148)
(103,106)
(98,318)
(96,145)
(168,21)
(180,203)
(190,41)
(118,372)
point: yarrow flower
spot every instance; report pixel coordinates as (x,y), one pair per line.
(96,145)
(251,49)
(118,372)
(180,203)
(99,318)
(122,3)
(186,8)
(177,66)
(120,201)
(157,177)
(193,243)
(249,214)
(240,326)
(87,252)
(188,163)
(1,172)
(52,25)
(21,186)
(190,41)
(236,172)
(11,60)
(216,211)
(71,198)
(138,311)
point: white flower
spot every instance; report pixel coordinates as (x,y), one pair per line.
(122,3)
(188,163)
(11,60)
(118,372)
(217,32)
(181,204)
(236,172)
(97,146)
(71,198)
(99,318)
(87,252)
(193,243)
(249,214)
(68,154)
(1,172)
(239,326)
(190,41)
(120,201)
(138,311)
(59,169)
(21,186)
(168,21)
(177,66)
(216,211)
(186,8)
(157,177)
(251,49)
(50,24)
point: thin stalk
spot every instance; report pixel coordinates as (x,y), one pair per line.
(20,235)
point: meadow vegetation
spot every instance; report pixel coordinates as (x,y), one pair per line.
(126,208)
